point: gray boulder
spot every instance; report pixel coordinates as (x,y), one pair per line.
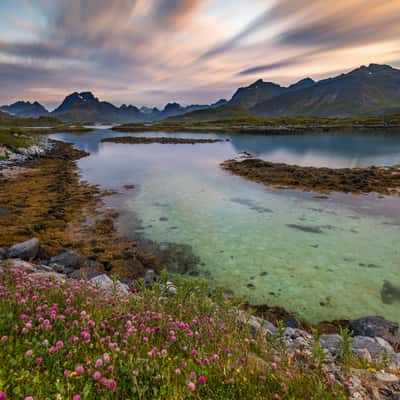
(377,347)
(104,282)
(24,250)
(375,326)
(68,260)
(271,328)
(332,344)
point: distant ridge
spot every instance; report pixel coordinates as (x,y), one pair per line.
(367,90)
(371,90)
(25,109)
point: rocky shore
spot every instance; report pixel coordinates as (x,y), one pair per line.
(381,180)
(11,157)
(160,140)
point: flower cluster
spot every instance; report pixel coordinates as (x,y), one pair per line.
(69,340)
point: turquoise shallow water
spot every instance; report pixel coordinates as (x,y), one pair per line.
(320,258)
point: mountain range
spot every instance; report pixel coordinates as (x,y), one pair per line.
(367,90)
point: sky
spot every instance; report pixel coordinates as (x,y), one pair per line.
(150,52)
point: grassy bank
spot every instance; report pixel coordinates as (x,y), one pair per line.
(68,340)
(14,138)
(265,125)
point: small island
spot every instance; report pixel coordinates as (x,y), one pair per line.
(160,140)
(382,180)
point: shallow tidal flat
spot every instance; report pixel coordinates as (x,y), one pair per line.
(382,180)
(320,256)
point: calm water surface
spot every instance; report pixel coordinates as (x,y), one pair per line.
(259,242)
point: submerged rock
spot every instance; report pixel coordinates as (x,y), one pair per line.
(375,326)
(25,250)
(390,293)
(306,228)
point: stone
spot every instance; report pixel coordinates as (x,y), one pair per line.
(271,328)
(375,326)
(171,288)
(21,264)
(90,270)
(3,253)
(386,378)
(49,275)
(377,348)
(331,343)
(67,259)
(291,322)
(149,278)
(104,282)
(24,250)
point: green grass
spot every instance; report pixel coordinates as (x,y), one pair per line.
(14,138)
(174,124)
(62,339)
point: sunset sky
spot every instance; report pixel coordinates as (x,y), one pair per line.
(149,52)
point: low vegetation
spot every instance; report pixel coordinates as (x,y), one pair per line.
(15,138)
(69,340)
(195,121)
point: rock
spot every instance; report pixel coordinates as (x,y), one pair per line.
(104,282)
(386,378)
(390,293)
(69,260)
(377,348)
(375,326)
(291,322)
(171,288)
(251,321)
(24,250)
(363,354)
(149,278)
(331,343)
(90,270)
(49,275)
(21,264)
(271,328)
(3,253)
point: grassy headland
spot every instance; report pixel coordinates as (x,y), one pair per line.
(194,122)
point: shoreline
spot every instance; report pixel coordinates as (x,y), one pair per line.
(256,129)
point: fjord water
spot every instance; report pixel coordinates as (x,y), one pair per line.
(320,258)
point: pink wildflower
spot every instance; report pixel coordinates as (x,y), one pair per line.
(191,386)
(79,370)
(76,397)
(202,380)
(29,353)
(97,375)
(135,372)
(99,363)
(60,344)
(177,371)
(3,396)
(274,365)
(112,384)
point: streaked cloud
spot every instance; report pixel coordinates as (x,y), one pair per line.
(153,51)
